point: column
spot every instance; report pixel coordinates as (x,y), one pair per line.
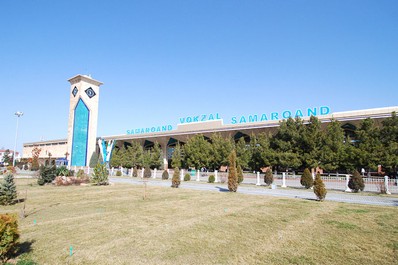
(386,184)
(215,176)
(283,180)
(258,179)
(142,173)
(154,173)
(347,189)
(197,175)
(182,175)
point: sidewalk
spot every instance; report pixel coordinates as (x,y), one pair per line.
(263,190)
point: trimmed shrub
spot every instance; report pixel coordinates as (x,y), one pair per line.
(165,174)
(356,182)
(232,176)
(118,173)
(211,179)
(100,175)
(147,172)
(80,173)
(187,177)
(240,174)
(306,179)
(175,181)
(135,172)
(319,188)
(47,174)
(9,236)
(268,177)
(8,190)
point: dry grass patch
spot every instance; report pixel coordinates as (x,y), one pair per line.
(114,225)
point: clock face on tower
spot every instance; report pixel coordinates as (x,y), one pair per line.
(90,92)
(74,91)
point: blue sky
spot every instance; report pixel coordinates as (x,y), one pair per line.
(162,60)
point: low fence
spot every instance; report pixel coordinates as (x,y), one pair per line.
(332,181)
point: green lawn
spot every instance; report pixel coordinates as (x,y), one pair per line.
(114,225)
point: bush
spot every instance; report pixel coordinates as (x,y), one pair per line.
(100,175)
(319,188)
(8,190)
(268,177)
(80,173)
(211,179)
(47,174)
(187,177)
(232,176)
(147,172)
(62,171)
(135,172)
(356,182)
(118,173)
(240,174)
(9,236)
(306,179)
(165,174)
(175,181)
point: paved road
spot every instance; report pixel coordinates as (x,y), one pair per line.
(264,191)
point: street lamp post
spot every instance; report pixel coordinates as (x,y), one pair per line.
(18,114)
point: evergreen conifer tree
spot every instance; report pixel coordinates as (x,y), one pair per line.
(319,188)
(240,174)
(165,174)
(147,172)
(8,190)
(232,176)
(135,172)
(175,181)
(306,179)
(356,182)
(268,177)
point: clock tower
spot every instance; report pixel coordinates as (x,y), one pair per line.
(83,118)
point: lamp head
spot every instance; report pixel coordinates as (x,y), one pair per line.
(19,113)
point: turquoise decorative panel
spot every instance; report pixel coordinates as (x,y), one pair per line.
(80,134)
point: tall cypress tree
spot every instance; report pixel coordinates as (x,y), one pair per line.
(175,181)
(8,190)
(232,176)
(319,188)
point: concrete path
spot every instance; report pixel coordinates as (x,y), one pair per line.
(262,190)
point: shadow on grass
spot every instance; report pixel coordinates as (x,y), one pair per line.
(25,247)
(222,189)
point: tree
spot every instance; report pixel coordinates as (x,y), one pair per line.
(135,154)
(243,153)
(147,172)
(220,147)
(176,158)
(310,143)
(319,187)
(156,156)
(175,181)
(165,174)
(332,153)
(261,153)
(389,140)
(369,145)
(232,176)
(306,179)
(197,152)
(35,158)
(8,190)
(9,236)
(268,177)
(286,143)
(100,175)
(117,157)
(47,174)
(356,182)
(135,172)
(7,157)
(94,160)
(240,174)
